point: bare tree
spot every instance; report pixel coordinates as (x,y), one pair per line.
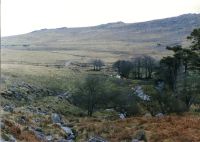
(97,64)
(88,93)
(149,65)
(143,67)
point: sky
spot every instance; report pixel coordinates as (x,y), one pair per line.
(23,16)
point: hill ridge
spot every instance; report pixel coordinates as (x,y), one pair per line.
(167,31)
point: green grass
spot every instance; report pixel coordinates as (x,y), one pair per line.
(51,77)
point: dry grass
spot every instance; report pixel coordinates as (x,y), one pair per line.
(17,132)
(21,131)
(170,128)
(28,136)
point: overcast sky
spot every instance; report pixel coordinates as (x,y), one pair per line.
(22,16)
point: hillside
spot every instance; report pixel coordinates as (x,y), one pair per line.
(102,37)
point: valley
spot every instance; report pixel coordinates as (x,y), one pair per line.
(113,82)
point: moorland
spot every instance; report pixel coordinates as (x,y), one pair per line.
(115,82)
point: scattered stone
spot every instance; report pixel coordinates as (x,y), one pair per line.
(22,120)
(55,118)
(4,137)
(160,86)
(37,120)
(70,134)
(18,96)
(97,139)
(32,109)
(12,139)
(7,138)
(49,138)
(148,115)
(64,96)
(122,116)
(110,110)
(140,135)
(135,140)
(70,140)
(38,129)
(2,125)
(1,140)
(38,133)
(159,115)
(140,93)
(64,140)
(40,112)
(118,76)
(40,136)
(8,108)
(68,131)
(70,137)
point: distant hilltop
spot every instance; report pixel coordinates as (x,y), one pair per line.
(148,34)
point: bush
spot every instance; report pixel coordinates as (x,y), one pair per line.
(176,106)
(121,98)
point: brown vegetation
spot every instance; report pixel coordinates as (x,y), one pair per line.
(168,128)
(17,132)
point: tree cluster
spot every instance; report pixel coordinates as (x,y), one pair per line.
(97,64)
(97,92)
(176,84)
(181,71)
(138,68)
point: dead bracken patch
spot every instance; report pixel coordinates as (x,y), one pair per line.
(171,128)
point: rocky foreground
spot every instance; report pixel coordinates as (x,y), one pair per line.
(28,116)
(34,125)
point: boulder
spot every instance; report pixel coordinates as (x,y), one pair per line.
(69,133)
(67,130)
(122,116)
(140,93)
(159,115)
(2,125)
(64,96)
(97,139)
(147,115)
(49,138)
(8,108)
(56,118)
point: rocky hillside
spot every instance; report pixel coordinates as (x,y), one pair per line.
(156,33)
